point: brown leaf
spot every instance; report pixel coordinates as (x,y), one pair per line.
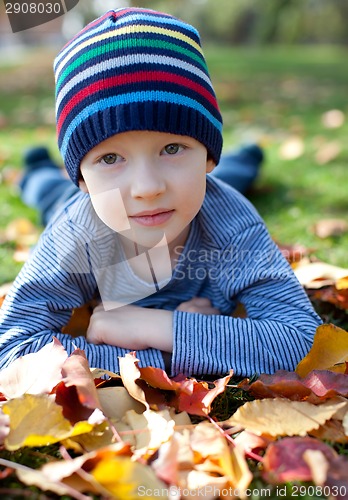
(281,417)
(330,347)
(34,373)
(317,386)
(130,374)
(332,430)
(145,385)
(283,460)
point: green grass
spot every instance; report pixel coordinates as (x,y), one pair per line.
(265,95)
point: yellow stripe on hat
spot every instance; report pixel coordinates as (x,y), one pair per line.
(134,29)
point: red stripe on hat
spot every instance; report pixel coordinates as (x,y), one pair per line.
(129,78)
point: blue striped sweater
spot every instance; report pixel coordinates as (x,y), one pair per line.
(228,257)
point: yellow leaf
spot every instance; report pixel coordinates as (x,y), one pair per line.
(36,420)
(152,429)
(282,417)
(342,283)
(330,347)
(127,480)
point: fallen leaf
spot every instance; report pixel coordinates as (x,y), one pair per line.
(200,400)
(328,152)
(316,387)
(332,431)
(330,347)
(145,385)
(248,441)
(37,478)
(334,118)
(339,298)
(166,465)
(281,417)
(76,372)
(330,227)
(292,148)
(152,430)
(283,460)
(214,456)
(116,401)
(36,420)
(318,465)
(319,274)
(342,283)
(34,373)
(126,479)
(4,426)
(22,231)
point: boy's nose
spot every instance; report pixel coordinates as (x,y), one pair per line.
(147,182)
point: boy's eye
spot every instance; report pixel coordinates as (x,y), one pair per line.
(172,149)
(109,159)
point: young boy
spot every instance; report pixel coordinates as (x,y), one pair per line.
(169,251)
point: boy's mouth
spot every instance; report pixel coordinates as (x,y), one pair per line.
(152,217)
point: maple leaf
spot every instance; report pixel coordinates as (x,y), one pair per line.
(330,347)
(284,461)
(316,387)
(145,385)
(200,400)
(281,417)
(34,373)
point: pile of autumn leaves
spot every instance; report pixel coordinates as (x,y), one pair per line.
(131,435)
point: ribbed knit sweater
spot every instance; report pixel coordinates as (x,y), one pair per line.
(229,257)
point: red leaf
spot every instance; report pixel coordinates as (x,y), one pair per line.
(76,372)
(199,402)
(283,460)
(77,393)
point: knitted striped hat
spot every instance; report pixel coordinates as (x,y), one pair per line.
(133,69)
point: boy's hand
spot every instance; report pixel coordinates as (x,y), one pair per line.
(132,327)
(200,305)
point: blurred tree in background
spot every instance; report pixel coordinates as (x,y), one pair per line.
(262,21)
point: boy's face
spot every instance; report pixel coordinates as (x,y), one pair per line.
(147,185)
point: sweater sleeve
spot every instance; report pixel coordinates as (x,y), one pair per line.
(40,303)
(280,323)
